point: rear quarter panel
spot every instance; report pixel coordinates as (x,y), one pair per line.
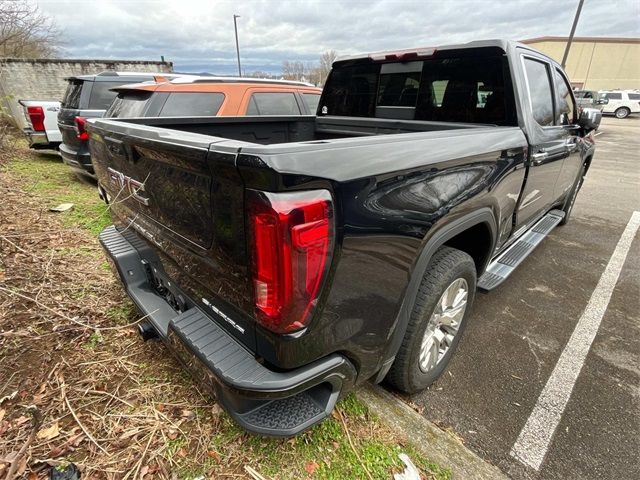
(393,193)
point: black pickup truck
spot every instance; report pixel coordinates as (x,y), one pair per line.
(286,259)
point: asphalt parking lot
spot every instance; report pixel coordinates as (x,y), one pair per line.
(518,332)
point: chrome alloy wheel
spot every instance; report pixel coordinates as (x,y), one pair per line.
(444,324)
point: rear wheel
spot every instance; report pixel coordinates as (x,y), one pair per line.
(622,112)
(437,320)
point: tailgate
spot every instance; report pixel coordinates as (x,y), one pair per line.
(183,193)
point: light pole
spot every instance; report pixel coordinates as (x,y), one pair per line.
(573,31)
(235,27)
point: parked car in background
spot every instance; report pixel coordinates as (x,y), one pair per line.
(589,99)
(287,258)
(215,96)
(88,96)
(42,124)
(620,103)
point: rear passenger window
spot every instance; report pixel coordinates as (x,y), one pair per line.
(565,106)
(101,96)
(266,103)
(634,96)
(127,105)
(312,100)
(540,90)
(189,104)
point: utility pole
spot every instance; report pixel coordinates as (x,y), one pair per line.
(235,27)
(573,30)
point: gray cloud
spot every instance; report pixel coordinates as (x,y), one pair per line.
(198,35)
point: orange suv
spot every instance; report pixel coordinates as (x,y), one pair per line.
(214,96)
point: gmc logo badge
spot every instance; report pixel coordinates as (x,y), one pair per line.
(128,184)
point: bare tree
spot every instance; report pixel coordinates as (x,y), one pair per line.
(25,32)
(326,61)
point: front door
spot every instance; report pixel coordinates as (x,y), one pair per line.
(547,149)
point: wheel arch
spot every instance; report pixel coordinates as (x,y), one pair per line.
(445,235)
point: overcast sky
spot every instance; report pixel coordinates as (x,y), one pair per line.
(198,35)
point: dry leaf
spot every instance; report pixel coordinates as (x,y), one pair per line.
(311,467)
(2,412)
(21,420)
(216,409)
(48,433)
(186,414)
(173,434)
(143,471)
(181,452)
(213,454)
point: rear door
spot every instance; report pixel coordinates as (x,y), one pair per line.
(547,142)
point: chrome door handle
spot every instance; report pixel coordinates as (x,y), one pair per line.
(539,158)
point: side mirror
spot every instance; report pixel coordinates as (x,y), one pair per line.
(590,119)
(602,101)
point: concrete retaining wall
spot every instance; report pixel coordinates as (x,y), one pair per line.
(43,79)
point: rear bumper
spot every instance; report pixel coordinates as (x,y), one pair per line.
(77,160)
(260,399)
(39,140)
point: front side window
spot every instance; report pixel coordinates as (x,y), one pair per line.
(564,100)
(613,96)
(540,92)
(273,103)
(101,96)
(192,104)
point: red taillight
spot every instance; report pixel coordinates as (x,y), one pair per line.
(291,243)
(36,116)
(80,130)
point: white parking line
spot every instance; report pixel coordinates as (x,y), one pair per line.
(534,439)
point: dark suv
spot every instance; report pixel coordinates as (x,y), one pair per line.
(88,96)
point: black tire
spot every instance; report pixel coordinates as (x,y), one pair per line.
(622,112)
(446,265)
(571,198)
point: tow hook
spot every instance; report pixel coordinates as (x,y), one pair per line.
(147,331)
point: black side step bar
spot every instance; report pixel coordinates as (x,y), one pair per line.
(504,265)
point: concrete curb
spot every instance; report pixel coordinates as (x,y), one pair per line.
(438,446)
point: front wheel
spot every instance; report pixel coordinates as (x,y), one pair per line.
(622,112)
(437,320)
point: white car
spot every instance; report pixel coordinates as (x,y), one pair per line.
(42,124)
(620,103)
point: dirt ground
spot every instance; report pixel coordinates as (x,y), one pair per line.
(78,386)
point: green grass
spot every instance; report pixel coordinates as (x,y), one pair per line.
(45,175)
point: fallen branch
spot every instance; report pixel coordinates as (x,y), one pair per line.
(36,421)
(82,427)
(67,317)
(346,430)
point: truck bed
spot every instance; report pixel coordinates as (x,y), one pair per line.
(269,130)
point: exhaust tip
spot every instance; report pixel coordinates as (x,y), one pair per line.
(147,331)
